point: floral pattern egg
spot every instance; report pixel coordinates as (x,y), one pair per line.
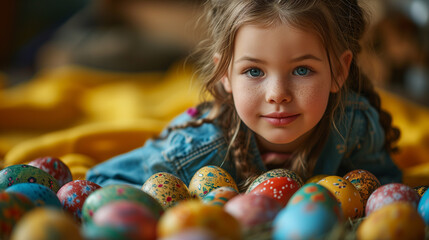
(346,194)
(23,173)
(73,194)
(166,188)
(55,167)
(364,181)
(219,196)
(278,172)
(207,179)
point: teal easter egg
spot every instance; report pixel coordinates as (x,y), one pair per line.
(278,172)
(118,192)
(166,188)
(23,173)
(40,195)
(219,196)
(12,207)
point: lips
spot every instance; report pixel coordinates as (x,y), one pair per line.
(280,118)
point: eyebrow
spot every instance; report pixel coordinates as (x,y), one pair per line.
(297,59)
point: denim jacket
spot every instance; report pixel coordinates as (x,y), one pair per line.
(357,144)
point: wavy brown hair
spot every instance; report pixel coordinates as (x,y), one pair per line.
(339,24)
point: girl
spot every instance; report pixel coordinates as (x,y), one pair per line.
(287,93)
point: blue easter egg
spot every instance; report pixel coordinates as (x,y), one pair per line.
(40,195)
(423,207)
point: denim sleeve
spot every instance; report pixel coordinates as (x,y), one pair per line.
(132,168)
(365,147)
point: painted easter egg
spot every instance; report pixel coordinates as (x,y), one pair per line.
(166,188)
(279,188)
(73,194)
(55,167)
(207,179)
(193,214)
(219,196)
(132,219)
(253,209)
(389,193)
(40,195)
(304,220)
(423,207)
(313,192)
(193,234)
(316,178)
(278,172)
(396,221)
(364,181)
(12,207)
(23,173)
(346,194)
(420,190)
(117,192)
(46,223)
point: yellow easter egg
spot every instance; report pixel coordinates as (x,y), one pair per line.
(207,179)
(346,194)
(316,178)
(166,188)
(193,214)
(44,223)
(395,221)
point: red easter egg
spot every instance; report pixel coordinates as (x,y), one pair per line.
(279,188)
(253,209)
(73,194)
(132,219)
(390,193)
(55,167)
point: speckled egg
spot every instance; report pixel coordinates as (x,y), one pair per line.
(316,178)
(423,207)
(219,196)
(193,214)
(305,220)
(278,172)
(364,181)
(313,192)
(279,188)
(23,173)
(396,221)
(253,209)
(207,179)
(420,190)
(389,193)
(132,219)
(346,194)
(55,167)
(166,188)
(40,195)
(46,223)
(12,207)
(73,194)
(117,192)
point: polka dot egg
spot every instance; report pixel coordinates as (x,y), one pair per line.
(279,172)
(279,188)
(346,194)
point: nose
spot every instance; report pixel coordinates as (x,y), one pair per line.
(278,91)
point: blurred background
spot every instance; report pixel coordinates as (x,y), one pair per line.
(77,76)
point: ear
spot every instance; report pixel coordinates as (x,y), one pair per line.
(345,61)
(224,80)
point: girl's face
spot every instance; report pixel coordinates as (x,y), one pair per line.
(280,80)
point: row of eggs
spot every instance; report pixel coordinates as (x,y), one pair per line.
(166,206)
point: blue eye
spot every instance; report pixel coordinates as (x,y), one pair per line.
(301,71)
(254,72)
